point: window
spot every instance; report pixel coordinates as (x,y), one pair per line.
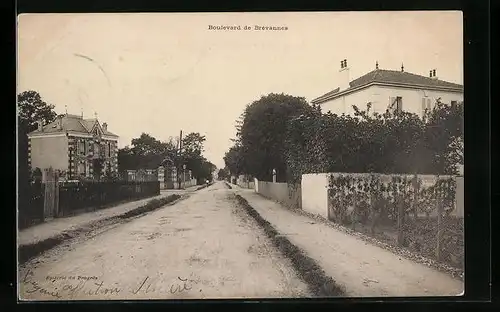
(396,104)
(426,105)
(96,149)
(81,147)
(81,169)
(109,149)
(453,103)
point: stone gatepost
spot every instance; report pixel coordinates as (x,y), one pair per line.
(161,177)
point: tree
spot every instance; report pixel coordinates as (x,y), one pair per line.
(206,172)
(192,144)
(146,152)
(234,161)
(223,174)
(31,109)
(192,149)
(389,143)
(445,136)
(263,132)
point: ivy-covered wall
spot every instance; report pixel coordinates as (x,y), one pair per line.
(414,211)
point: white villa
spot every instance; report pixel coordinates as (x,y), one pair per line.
(388,89)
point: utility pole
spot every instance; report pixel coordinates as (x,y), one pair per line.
(179,158)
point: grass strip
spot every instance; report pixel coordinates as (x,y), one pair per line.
(311,273)
(29,251)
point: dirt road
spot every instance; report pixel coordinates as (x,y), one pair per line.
(203,247)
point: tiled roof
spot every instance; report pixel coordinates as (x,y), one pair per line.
(72,123)
(394,77)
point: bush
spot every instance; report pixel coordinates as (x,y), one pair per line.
(388,143)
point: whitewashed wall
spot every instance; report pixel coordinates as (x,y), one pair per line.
(315,193)
(379,96)
(284,193)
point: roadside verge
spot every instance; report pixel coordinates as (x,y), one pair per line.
(319,283)
(29,251)
(365,270)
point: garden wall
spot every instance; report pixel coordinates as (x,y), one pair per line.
(288,195)
(423,213)
(315,193)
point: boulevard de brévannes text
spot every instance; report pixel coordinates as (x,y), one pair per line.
(246,27)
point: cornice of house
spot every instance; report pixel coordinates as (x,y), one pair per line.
(69,133)
(321,100)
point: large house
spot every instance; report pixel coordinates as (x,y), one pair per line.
(74,146)
(388,90)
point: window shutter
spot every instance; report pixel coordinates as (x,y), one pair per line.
(423,106)
(429,104)
(399,104)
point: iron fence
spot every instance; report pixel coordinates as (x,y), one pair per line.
(83,195)
(30,204)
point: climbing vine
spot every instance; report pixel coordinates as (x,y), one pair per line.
(418,208)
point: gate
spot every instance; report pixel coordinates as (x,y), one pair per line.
(51,199)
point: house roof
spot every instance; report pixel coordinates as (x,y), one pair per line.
(73,123)
(393,77)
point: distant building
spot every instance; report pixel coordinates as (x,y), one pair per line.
(75,146)
(388,90)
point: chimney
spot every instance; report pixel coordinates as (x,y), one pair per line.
(40,125)
(105,126)
(344,75)
(432,74)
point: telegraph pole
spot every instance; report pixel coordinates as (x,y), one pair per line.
(180,158)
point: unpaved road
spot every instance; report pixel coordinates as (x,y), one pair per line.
(203,247)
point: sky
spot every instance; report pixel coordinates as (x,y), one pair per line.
(160,73)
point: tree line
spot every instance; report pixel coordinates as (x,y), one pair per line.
(149,153)
(285,133)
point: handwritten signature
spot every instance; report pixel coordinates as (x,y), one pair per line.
(89,287)
(184,284)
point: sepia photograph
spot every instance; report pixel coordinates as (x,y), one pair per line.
(240,155)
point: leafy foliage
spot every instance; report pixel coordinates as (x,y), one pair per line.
(223,174)
(261,133)
(31,109)
(388,143)
(234,160)
(148,152)
(284,132)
